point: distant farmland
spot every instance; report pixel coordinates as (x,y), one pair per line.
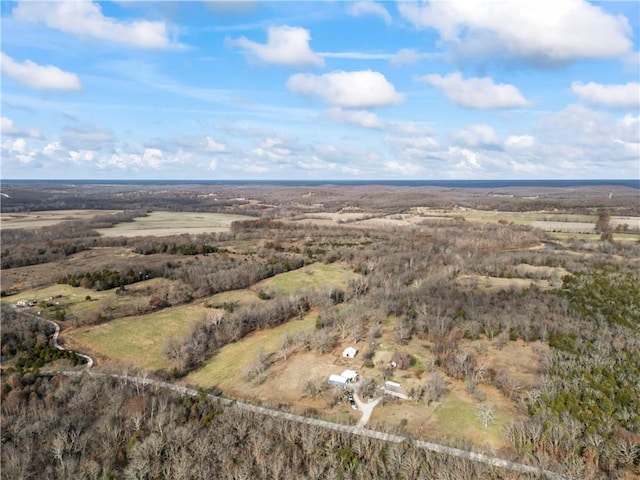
(163,224)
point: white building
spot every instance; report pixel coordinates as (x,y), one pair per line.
(350,375)
(349,352)
(338,380)
(395,390)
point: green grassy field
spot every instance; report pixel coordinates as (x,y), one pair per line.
(138,340)
(160,224)
(317,275)
(458,419)
(236,297)
(231,361)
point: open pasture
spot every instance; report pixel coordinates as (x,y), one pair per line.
(228,366)
(137,340)
(163,224)
(317,275)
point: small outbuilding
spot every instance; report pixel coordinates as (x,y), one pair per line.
(394,389)
(338,380)
(350,352)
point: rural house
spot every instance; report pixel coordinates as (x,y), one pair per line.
(338,380)
(350,375)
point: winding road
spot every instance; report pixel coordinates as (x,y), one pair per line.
(366,408)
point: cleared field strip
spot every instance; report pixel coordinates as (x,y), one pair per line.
(162,224)
(317,275)
(228,365)
(47,218)
(566,227)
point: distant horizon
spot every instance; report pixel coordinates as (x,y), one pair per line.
(464,183)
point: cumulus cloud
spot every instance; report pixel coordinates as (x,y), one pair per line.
(478,93)
(85,19)
(285,46)
(369,8)
(549,31)
(127,160)
(274,149)
(18,152)
(613,96)
(362,118)
(39,77)
(482,136)
(359,89)
(8,128)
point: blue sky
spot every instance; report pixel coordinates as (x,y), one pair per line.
(452,89)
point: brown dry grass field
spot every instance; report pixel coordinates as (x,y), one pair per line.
(32,220)
(163,224)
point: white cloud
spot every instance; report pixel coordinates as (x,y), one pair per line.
(285,46)
(360,89)
(369,8)
(479,93)
(589,142)
(82,156)
(419,146)
(16,146)
(482,136)
(613,96)
(547,31)
(7,127)
(215,146)
(519,141)
(406,168)
(85,19)
(362,118)
(356,55)
(274,149)
(51,148)
(37,76)
(18,150)
(150,158)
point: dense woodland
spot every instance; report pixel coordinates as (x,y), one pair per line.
(582,416)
